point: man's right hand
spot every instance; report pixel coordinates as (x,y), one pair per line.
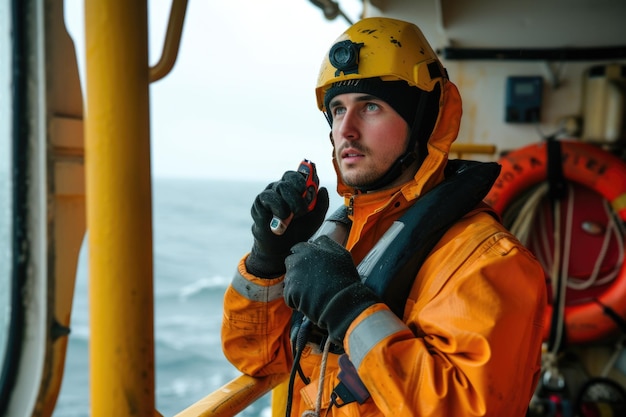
(281,198)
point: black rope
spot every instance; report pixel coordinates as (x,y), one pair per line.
(300,335)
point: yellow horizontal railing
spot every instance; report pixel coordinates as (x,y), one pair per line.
(472,148)
(233,397)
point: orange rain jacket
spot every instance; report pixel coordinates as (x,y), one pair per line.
(469,343)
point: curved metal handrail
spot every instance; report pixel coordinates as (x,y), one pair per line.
(172,41)
(233,397)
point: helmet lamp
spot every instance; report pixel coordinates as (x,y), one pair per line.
(344,56)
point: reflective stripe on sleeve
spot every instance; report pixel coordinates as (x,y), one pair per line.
(256,292)
(371,331)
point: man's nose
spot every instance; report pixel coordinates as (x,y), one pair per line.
(348,126)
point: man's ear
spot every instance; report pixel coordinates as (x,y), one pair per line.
(330,136)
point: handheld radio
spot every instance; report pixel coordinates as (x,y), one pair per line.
(307,169)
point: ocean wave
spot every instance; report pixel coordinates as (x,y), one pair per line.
(201,340)
(203,284)
(181,290)
(182,387)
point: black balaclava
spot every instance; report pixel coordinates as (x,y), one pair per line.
(417,107)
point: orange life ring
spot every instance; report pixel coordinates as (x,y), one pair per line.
(591,167)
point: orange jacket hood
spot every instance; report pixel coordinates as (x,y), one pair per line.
(444,133)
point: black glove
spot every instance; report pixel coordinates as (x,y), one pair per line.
(281,198)
(323,284)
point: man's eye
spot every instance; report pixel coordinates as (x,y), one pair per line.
(338,110)
(372,107)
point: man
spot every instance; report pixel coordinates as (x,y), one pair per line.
(465,339)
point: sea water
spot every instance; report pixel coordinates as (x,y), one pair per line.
(201,230)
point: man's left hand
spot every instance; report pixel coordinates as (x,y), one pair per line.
(323,283)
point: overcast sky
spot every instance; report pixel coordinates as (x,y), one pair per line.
(240,102)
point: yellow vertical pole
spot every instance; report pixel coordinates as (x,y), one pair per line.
(119,219)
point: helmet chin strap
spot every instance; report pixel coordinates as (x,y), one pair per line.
(396,169)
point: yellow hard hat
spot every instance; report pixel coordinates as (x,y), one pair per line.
(384,48)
